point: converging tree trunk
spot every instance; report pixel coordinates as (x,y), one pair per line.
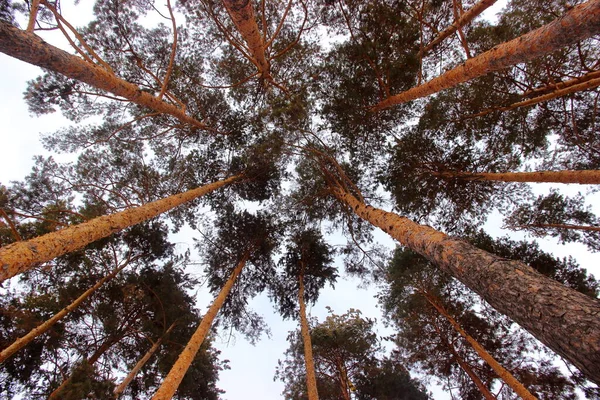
(21,256)
(581,22)
(311,377)
(504,374)
(140,364)
(171,382)
(557,226)
(582,176)
(565,320)
(32,49)
(464,19)
(243,17)
(37,331)
(465,366)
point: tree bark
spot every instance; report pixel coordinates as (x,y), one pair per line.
(32,49)
(465,366)
(311,377)
(504,374)
(140,364)
(464,19)
(563,319)
(584,177)
(171,382)
(581,22)
(37,331)
(242,15)
(21,256)
(539,91)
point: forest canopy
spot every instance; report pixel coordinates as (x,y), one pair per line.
(290,137)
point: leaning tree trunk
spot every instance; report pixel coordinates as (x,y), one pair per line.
(40,329)
(171,382)
(242,15)
(464,19)
(20,256)
(32,49)
(311,377)
(465,366)
(560,317)
(586,84)
(558,226)
(581,22)
(140,364)
(581,176)
(502,372)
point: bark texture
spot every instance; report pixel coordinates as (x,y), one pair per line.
(32,49)
(581,22)
(584,177)
(171,382)
(309,362)
(243,17)
(563,319)
(40,329)
(464,19)
(21,256)
(502,372)
(140,364)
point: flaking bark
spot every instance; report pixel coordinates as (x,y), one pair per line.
(32,49)
(563,319)
(20,256)
(171,382)
(581,22)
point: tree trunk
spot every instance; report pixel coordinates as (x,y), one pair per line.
(21,256)
(505,375)
(32,49)
(140,364)
(585,85)
(561,85)
(311,377)
(343,380)
(171,382)
(581,22)
(558,226)
(465,366)
(563,319)
(242,15)
(581,176)
(37,331)
(464,19)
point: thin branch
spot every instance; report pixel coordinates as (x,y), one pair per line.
(173,51)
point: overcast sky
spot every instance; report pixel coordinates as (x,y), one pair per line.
(252,367)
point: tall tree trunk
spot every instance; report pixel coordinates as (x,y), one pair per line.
(464,19)
(465,366)
(243,17)
(581,22)
(567,176)
(140,364)
(311,377)
(32,49)
(171,382)
(91,360)
(539,91)
(21,256)
(343,380)
(504,374)
(558,226)
(585,85)
(40,329)
(563,319)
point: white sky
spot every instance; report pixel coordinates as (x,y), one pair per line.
(252,367)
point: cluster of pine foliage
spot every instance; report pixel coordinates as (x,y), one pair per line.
(267,126)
